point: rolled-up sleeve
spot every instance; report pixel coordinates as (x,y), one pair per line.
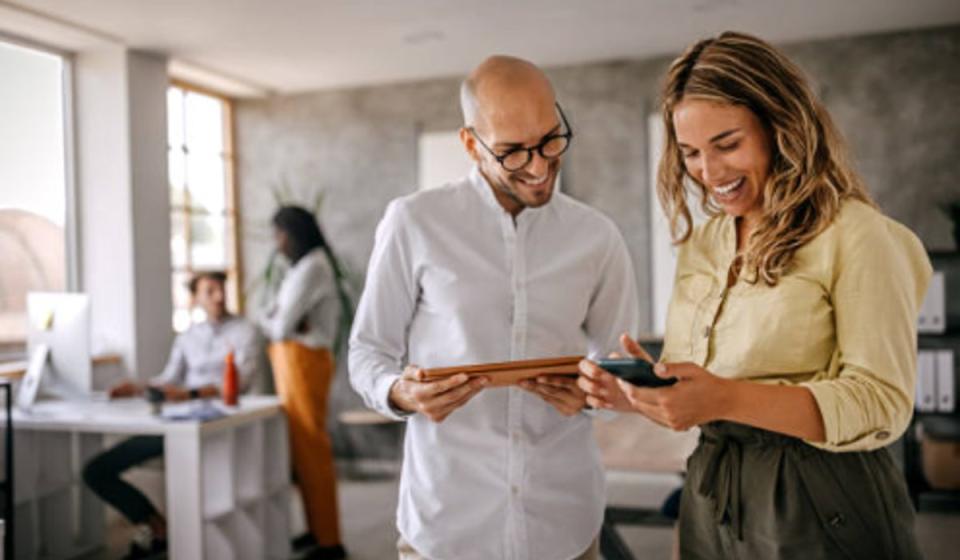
(865,397)
(378,341)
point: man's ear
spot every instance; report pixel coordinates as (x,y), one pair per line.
(469,144)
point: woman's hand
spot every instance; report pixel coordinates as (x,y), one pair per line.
(601,387)
(696,398)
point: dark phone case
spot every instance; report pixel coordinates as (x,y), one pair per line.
(636,371)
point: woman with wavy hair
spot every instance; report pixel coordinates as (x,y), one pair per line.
(791,330)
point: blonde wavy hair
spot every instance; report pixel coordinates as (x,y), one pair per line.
(810,173)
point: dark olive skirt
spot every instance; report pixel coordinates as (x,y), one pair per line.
(753,494)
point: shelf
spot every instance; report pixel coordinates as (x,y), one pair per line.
(248,460)
(54,516)
(944,254)
(217,483)
(277,525)
(216,540)
(249,533)
(939,501)
(276,453)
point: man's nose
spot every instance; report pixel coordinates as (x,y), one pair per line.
(538,165)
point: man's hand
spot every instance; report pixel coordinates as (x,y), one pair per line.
(434,399)
(125,389)
(174,393)
(558,390)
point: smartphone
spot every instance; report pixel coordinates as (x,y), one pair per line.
(636,371)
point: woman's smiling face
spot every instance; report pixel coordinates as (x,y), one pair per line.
(725,148)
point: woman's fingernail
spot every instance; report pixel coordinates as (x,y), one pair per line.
(660,369)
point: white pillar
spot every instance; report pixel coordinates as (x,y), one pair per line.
(123,202)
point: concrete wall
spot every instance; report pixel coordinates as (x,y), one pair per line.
(894,96)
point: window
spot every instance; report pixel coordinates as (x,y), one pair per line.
(203,217)
(441,159)
(34,230)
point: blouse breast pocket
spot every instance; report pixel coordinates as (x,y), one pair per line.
(690,292)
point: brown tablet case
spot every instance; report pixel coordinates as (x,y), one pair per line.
(502,374)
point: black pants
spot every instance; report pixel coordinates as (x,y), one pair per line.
(102,475)
(753,494)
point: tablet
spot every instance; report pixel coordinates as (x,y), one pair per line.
(502,374)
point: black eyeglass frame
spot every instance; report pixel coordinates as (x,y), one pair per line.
(568,135)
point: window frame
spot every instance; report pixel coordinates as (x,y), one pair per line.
(71,237)
(231,211)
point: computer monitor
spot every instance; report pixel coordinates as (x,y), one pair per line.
(61,322)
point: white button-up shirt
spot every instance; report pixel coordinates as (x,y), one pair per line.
(454,280)
(199,353)
(308,291)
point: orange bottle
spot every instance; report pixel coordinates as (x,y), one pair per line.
(230,381)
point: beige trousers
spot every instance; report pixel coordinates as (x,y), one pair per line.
(406,552)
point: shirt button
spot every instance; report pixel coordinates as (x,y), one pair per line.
(516,436)
(706,332)
(882,435)
(515,490)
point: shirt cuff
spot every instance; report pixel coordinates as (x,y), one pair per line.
(381,394)
(832,411)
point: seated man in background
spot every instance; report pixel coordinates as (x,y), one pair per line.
(194,370)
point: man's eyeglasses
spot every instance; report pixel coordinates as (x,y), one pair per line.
(516,159)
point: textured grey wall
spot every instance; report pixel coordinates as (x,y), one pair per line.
(894,96)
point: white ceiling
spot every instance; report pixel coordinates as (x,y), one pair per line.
(288,46)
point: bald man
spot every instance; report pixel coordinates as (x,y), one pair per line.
(494,267)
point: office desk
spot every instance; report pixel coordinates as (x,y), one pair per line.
(227,480)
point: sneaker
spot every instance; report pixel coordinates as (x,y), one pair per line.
(335,552)
(305,540)
(145,546)
(156,550)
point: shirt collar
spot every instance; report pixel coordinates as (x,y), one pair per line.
(216,328)
(485,190)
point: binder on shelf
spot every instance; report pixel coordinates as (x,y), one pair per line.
(933,312)
(946,394)
(926,394)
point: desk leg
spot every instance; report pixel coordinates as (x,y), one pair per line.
(184,496)
(9,505)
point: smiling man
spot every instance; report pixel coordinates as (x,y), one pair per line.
(494,267)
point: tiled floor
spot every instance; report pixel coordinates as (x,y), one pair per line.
(368,509)
(368,520)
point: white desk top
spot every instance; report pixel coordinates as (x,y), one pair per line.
(133,416)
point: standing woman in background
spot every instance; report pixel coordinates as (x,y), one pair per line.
(302,328)
(792,326)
